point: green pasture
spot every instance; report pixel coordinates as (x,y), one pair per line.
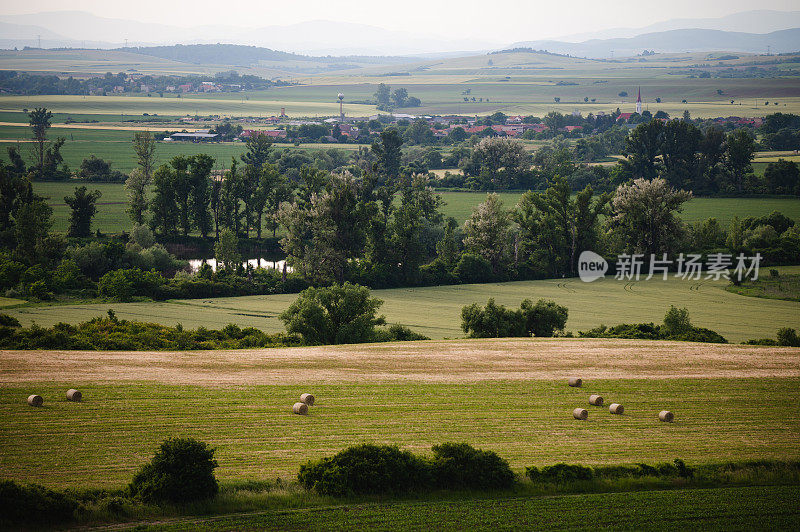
(116,146)
(460,206)
(740,508)
(111,218)
(101,441)
(436,311)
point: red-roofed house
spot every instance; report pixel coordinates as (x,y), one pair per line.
(624,116)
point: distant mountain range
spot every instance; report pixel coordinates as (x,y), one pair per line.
(687,40)
(317,37)
(758,21)
(76,29)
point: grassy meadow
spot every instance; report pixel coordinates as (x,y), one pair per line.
(436,311)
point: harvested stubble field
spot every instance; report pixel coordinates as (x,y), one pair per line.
(510,396)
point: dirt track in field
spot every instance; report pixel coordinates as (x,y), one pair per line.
(429,361)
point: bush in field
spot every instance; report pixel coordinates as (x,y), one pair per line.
(677,326)
(338,314)
(496,321)
(366,469)
(182,470)
(8,321)
(788,337)
(560,473)
(34,504)
(461,466)
(122,285)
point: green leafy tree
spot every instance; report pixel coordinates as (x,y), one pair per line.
(417,214)
(783,177)
(83,208)
(200,196)
(32,223)
(136,187)
(226,251)
(39,120)
(387,152)
(740,147)
(399,97)
(164,204)
(487,233)
(644,216)
(337,314)
(383,95)
(642,148)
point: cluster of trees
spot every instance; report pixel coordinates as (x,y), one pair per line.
(704,162)
(387,100)
(781,131)
(32,84)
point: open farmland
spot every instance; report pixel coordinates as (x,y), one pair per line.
(186,105)
(436,311)
(508,395)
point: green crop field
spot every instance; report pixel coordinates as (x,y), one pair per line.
(745,508)
(436,311)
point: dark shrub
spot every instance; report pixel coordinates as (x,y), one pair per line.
(398,333)
(473,269)
(461,466)
(8,321)
(182,470)
(497,321)
(788,337)
(34,504)
(560,473)
(361,469)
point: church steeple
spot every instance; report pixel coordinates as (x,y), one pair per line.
(639,101)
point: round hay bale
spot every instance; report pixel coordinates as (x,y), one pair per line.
(35,400)
(74,395)
(616,408)
(575,382)
(300,409)
(580,413)
(666,416)
(307,398)
(596,400)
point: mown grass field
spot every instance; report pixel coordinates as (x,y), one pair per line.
(436,311)
(101,441)
(745,508)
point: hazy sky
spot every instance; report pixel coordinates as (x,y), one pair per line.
(499,20)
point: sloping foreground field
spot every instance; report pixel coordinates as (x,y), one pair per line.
(436,311)
(743,508)
(730,403)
